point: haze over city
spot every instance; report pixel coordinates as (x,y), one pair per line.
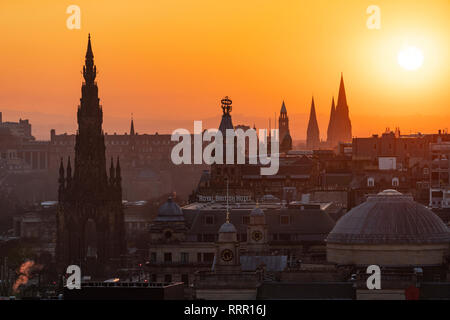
(163,58)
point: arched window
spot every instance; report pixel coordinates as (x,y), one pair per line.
(395,182)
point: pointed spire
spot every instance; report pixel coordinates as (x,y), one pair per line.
(132,126)
(342,99)
(89,53)
(283,108)
(342,123)
(89,69)
(331,124)
(312,134)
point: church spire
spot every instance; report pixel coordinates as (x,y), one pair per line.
(342,98)
(61,173)
(331,124)
(132,126)
(283,108)
(342,125)
(312,134)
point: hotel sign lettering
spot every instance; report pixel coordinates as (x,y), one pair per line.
(222,198)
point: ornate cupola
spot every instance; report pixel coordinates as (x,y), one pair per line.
(257,231)
(227,248)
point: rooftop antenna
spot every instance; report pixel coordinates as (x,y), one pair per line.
(228,211)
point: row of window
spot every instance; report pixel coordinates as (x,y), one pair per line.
(210,220)
(371,182)
(183,257)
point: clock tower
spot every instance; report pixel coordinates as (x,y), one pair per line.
(257,231)
(227,251)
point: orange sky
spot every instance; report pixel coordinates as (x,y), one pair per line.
(171,61)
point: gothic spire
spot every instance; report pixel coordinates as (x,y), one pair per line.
(89,53)
(331,124)
(312,134)
(132,126)
(89,69)
(342,124)
(342,99)
(283,108)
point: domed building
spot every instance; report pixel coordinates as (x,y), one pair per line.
(169,225)
(389,229)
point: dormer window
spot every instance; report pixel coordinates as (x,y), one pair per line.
(395,182)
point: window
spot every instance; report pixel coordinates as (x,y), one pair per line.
(185,279)
(184,257)
(245,219)
(370,182)
(426,171)
(208,257)
(199,257)
(284,219)
(209,220)
(167,257)
(395,182)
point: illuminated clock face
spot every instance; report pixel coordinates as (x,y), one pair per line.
(227,255)
(257,235)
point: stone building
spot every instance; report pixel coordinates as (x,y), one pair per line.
(439,174)
(402,237)
(184,240)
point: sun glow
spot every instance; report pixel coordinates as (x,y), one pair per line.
(410,58)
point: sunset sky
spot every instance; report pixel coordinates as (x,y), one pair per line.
(169,62)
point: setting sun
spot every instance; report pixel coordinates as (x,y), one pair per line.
(410,58)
